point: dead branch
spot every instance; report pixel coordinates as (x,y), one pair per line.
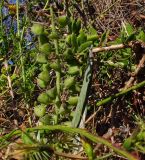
(131,45)
(132,78)
(109,48)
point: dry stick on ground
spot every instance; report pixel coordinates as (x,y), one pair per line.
(109,48)
(142,16)
(9,79)
(116,47)
(93,115)
(132,78)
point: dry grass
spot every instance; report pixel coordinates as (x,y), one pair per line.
(109,14)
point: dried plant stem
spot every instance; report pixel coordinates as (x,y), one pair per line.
(142,16)
(140,65)
(93,115)
(45,147)
(104,12)
(9,79)
(20,49)
(112,47)
(46,4)
(116,47)
(67,155)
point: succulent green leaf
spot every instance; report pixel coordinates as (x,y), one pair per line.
(45,119)
(45,48)
(41,58)
(40,110)
(43,39)
(41,83)
(78,26)
(55,65)
(68,82)
(74,40)
(63,20)
(44,76)
(43,98)
(68,40)
(73,100)
(37,29)
(53,35)
(93,38)
(52,92)
(73,70)
(82,38)
(68,54)
(84,46)
(74,26)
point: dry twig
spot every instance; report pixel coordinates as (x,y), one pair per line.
(132,78)
(9,79)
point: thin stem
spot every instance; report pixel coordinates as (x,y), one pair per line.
(17,13)
(58,77)
(20,47)
(109,48)
(108,8)
(46,4)
(122,93)
(9,80)
(1,17)
(139,67)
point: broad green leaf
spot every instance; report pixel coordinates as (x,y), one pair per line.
(83,96)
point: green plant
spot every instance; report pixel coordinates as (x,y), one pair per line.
(68,50)
(136,140)
(63,73)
